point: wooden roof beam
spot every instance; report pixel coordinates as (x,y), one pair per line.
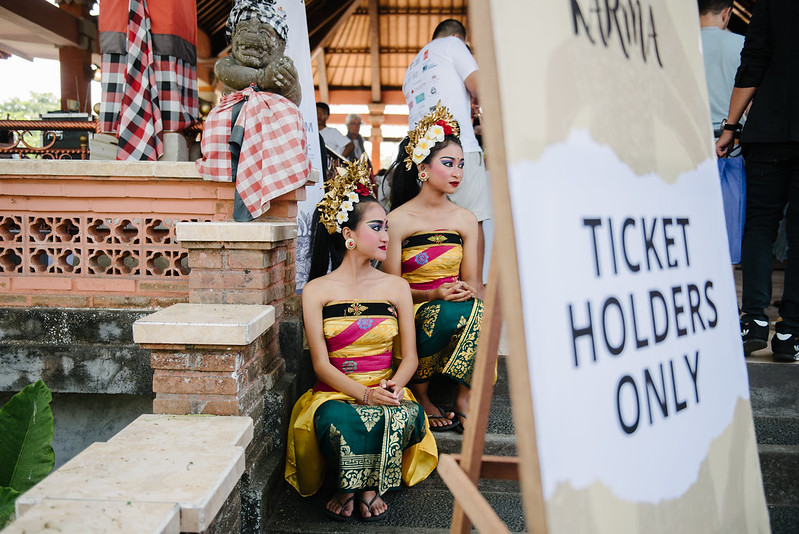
(421,10)
(388,120)
(45,21)
(321,71)
(370,49)
(339,96)
(325,19)
(374,48)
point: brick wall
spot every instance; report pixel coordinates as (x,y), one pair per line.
(100,234)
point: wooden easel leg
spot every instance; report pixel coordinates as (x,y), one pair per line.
(481,392)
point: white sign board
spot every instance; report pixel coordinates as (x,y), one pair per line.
(298,49)
(636,370)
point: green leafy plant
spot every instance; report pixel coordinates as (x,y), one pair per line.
(26,453)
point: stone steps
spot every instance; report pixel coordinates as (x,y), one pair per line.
(427,508)
(775,407)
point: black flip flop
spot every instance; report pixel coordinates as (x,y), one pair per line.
(337,516)
(460,425)
(443,415)
(369,506)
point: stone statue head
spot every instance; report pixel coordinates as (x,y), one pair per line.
(255,43)
(257,30)
(264,11)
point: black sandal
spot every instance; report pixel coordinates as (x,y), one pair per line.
(337,516)
(369,504)
(460,424)
(453,424)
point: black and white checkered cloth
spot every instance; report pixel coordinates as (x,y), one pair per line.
(264,10)
(140,124)
(177,91)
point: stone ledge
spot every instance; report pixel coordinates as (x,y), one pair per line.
(204,324)
(199,430)
(233,232)
(199,480)
(98,517)
(129,169)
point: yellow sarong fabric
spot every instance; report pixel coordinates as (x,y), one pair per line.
(360,336)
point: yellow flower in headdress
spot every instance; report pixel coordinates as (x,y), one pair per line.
(432,129)
(342,193)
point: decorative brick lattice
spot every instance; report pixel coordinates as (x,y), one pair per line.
(135,246)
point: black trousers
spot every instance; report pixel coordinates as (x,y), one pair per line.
(772,180)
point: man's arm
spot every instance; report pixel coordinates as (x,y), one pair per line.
(471,84)
(741,96)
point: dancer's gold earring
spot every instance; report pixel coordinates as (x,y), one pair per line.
(423,176)
(349,243)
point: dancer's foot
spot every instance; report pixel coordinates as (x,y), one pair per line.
(461,407)
(340,506)
(437,418)
(373,508)
(441,421)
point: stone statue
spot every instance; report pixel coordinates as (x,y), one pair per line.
(257,31)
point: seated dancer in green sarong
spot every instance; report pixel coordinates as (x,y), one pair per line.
(433,245)
(359,419)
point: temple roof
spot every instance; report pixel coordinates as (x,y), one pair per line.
(356,45)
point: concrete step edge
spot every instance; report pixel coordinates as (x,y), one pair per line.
(766,448)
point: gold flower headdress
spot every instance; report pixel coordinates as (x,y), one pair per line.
(430,130)
(341,193)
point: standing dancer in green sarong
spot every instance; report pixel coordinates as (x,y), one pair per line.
(433,245)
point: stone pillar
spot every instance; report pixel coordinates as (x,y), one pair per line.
(211,359)
(376,119)
(225,352)
(243,263)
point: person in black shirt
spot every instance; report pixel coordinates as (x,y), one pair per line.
(768,79)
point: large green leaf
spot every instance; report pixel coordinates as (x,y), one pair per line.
(26,431)
(7,498)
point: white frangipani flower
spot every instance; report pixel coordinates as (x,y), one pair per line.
(435,133)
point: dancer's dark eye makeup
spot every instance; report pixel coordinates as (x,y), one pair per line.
(377,225)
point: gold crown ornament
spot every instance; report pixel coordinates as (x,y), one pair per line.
(432,129)
(341,193)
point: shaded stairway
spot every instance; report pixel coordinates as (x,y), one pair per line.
(774,389)
(427,508)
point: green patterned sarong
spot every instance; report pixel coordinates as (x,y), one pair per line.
(446,339)
(368,452)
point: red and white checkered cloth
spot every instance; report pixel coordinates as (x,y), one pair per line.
(140,124)
(274,151)
(176,80)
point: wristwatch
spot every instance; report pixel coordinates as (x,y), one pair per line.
(731,127)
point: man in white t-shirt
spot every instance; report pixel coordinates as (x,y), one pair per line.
(334,140)
(445,70)
(721,51)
